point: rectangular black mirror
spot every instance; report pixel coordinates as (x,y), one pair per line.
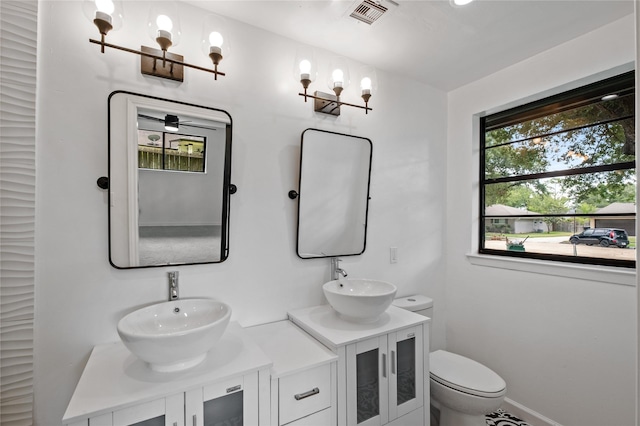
(169,182)
(335,172)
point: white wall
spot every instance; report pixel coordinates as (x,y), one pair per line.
(79,297)
(181,198)
(566,347)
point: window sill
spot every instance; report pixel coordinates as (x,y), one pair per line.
(605,274)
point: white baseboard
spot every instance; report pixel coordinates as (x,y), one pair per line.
(532,417)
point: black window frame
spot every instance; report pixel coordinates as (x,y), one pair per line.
(623,84)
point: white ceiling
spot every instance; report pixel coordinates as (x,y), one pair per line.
(430,40)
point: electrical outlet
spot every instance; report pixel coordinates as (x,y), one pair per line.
(393,254)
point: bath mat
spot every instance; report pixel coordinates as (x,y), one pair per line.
(502,418)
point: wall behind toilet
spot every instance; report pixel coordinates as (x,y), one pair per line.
(80,297)
(565,346)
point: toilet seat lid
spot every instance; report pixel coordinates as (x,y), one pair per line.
(464,374)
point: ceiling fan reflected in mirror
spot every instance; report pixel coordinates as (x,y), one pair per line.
(174,122)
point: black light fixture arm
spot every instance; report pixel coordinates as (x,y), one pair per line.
(156,57)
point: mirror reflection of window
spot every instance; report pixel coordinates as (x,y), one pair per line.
(171,151)
(149,149)
(168,189)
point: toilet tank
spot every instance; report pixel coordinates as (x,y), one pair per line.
(417,303)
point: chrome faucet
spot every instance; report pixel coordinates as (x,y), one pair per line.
(336,270)
(173,286)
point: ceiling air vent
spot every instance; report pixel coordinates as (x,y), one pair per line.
(369,11)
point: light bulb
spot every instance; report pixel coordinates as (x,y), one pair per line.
(165,25)
(365,85)
(461,2)
(305,66)
(305,69)
(338,77)
(104,9)
(215,40)
(105,6)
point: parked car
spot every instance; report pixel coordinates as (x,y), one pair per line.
(605,237)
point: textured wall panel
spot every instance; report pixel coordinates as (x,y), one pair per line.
(16,370)
(18,36)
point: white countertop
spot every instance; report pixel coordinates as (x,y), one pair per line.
(290,348)
(115,378)
(324,324)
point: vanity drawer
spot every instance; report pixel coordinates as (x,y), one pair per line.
(304,393)
(320,418)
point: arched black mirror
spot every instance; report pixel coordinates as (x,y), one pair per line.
(169,182)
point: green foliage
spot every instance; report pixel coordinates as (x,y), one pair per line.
(586,208)
(549,204)
(566,146)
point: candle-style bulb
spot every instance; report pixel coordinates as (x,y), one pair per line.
(215,41)
(338,77)
(305,71)
(164,36)
(365,85)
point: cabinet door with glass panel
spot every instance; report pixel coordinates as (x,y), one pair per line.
(168,411)
(231,402)
(384,377)
(406,384)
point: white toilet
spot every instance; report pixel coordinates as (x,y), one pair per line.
(462,389)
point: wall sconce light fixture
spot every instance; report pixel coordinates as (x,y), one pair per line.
(339,79)
(163,26)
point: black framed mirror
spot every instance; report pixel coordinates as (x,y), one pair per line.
(333,199)
(169,182)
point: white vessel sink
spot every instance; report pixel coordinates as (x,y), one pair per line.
(359,300)
(175,335)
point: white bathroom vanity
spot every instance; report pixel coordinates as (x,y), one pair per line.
(116,388)
(272,374)
(382,371)
(320,371)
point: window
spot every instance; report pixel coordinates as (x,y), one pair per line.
(170,151)
(558,178)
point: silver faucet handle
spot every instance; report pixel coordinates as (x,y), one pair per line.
(173,285)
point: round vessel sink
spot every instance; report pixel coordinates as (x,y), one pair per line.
(359,300)
(175,335)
